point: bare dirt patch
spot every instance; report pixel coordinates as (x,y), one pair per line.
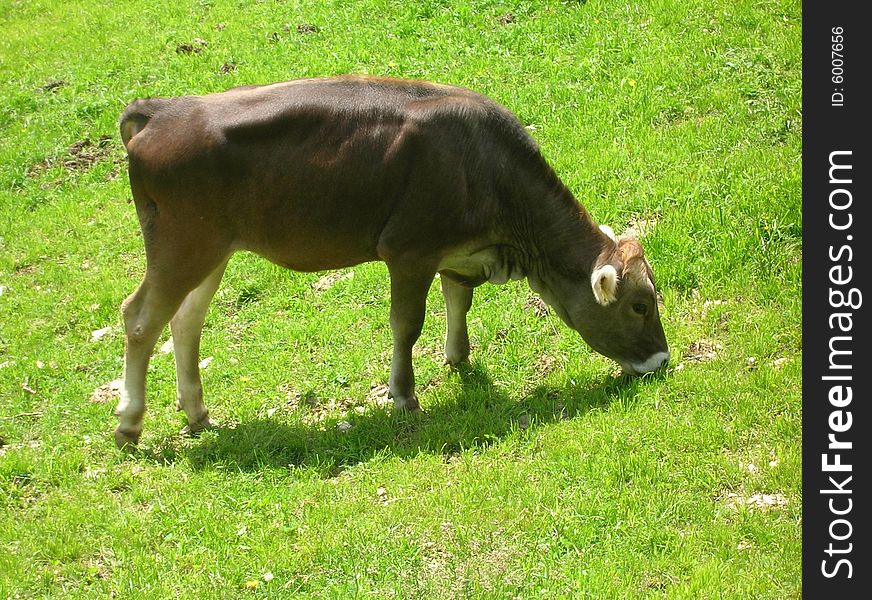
(506,19)
(80,156)
(330,279)
(52,85)
(702,351)
(317,408)
(756,501)
(25,270)
(85,153)
(195,46)
(537,305)
(544,364)
(106,392)
(306,28)
(640,226)
(379,395)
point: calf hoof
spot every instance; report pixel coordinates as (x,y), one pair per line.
(126,440)
(204,423)
(407,405)
(456,362)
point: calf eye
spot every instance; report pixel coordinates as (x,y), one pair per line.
(640,308)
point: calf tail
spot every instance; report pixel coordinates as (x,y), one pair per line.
(136,116)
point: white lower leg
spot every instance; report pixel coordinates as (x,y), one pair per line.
(187,326)
(131,407)
(189,389)
(146,313)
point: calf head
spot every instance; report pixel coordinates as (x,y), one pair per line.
(615,309)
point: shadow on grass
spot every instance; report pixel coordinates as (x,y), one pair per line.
(478,415)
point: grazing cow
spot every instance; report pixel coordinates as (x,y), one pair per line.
(327,173)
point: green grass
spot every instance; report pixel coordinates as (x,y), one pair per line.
(537,472)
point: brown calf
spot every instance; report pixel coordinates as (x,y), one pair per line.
(328,173)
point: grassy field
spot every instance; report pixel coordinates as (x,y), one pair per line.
(537,471)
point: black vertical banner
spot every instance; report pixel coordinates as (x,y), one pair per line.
(837,226)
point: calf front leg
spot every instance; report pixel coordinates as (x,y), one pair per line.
(458,300)
(409,287)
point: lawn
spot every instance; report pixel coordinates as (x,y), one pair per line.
(537,470)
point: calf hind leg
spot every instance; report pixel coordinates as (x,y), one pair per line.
(146,312)
(186,327)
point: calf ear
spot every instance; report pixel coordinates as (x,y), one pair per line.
(604,281)
(609,232)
